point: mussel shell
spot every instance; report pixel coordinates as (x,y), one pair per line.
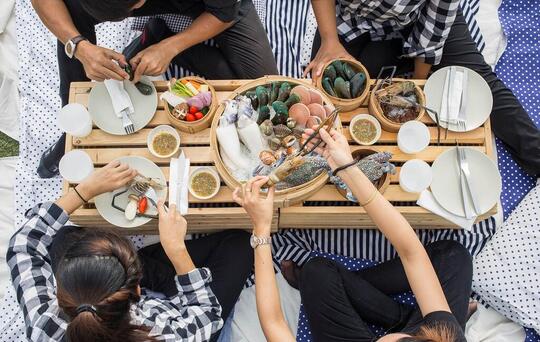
(280,108)
(348,71)
(330,72)
(274,143)
(267,127)
(327,86)
(293,99)
(288,141)
(338,65)
(357,84)
(281,131)
(262,95)
(284,91)
(342,88)
(144,88)
(252,95)
(274,92)
(264,114)
(291,123)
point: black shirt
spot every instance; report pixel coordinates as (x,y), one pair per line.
(224,10)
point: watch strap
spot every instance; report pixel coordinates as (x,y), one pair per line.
(74,42)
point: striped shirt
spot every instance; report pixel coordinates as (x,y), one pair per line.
(425,24)
(192,315)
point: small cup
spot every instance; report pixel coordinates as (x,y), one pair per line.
(415,176)
(75,166)
(156,131)
(75,120)
(371,119)
(205,169)
(413,137)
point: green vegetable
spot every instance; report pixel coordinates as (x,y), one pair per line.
(205,110)
(180,89)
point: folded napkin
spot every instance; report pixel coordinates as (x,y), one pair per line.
(427,201)
(452,95)
(119,97)
(178,183)
(6,9)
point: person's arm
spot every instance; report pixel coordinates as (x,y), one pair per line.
(260,210)
(331,48)
(28,257)
(97,61)
(418,268)
(155,59)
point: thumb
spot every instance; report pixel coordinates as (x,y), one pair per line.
(161,208)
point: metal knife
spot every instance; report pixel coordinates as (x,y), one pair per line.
(464,194)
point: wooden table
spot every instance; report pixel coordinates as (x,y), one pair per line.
(327,208)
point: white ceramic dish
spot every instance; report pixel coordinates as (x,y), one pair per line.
(75,166)
(156,131)
(75,119)
(446,184)
(413,137)
(207,169)
(370,118)
(101,109)
(115,217)
(415,176)
(479,104)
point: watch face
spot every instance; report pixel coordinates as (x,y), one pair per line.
(69,48)
(254,241)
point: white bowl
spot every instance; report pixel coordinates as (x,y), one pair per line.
(413,137)
(156,131)
(75,166)
(370,118)
(415,176)
(209,170)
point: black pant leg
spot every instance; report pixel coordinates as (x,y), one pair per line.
(509,121)
(329,310)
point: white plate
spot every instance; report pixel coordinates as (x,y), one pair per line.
(479,104)
(101,109)
(116,217)
(484,175)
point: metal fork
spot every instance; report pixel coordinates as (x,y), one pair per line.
(467,173)
(127,123)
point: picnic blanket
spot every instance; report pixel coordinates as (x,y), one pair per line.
(519,69)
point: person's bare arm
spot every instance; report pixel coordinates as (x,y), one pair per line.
(97,61)
(155,59)
(421,69)
(331,48)
(418,268)
(260,210)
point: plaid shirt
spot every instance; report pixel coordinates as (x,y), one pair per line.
(430,21)
(193,315)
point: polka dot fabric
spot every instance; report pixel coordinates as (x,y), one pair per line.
(304,333)
(507,270)
(519,69)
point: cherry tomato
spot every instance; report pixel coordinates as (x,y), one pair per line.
(142,205)
(190,117)
(198,115)
(193,110)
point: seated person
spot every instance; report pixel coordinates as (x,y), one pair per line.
(243,49)
(89,284)
(339,303)
(420,35)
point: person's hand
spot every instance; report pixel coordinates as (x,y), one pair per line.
(336,149)
(99,63)
(152,61)
(108,178)
(260,209)
(172,229)
(327,52)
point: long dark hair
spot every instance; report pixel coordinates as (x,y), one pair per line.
(98,281)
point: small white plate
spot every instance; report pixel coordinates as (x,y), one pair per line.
(371,119)
(102,112)
(479,104)
(115,217)
(446,187)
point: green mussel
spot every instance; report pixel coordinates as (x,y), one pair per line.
(357,84)
(284,91)
(338,65)
(293,98)
(330,72)
(262,95)
(342,88)
(264,114)
(348,71)
(327,86)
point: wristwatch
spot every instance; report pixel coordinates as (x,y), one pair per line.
(256,241)
(71,45)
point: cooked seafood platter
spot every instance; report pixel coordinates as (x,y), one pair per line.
(258,131)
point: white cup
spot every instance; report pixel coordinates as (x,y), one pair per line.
(415,176)
(413,137)
(75,119)
(75,166)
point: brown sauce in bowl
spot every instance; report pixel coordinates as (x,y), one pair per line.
(364,130)
(164,143)
(203,184)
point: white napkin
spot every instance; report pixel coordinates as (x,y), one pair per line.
(6,8)
(451,96)
(427,201)
(119,97)
(178,183)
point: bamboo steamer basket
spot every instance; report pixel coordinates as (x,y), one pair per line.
(199,125)
(282,198)
(387,124)
(381,184)
(348,104)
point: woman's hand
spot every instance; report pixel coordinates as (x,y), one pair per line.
(260,209)
(327,52)
(153,61)
(172,229)
(108,178)
(336,149)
